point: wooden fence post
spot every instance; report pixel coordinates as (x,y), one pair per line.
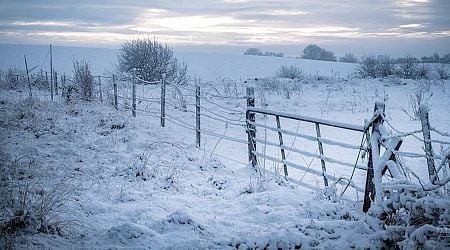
(51,73)
(251,128)
(51,86)
(63,88)
(46,79)
(424,118)
(369,192)
(100,88)
(163,100)
(322,162)
(28,76)
(133,94)
(56,83)
(197,116)
(115,92)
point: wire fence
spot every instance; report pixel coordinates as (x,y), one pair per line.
(221,122)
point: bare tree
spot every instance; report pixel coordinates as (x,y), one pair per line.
(151,59)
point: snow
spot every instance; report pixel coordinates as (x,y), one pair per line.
(207,66)
(133,184)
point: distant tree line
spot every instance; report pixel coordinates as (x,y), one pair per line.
(315,52)
(407,67)
(259,52)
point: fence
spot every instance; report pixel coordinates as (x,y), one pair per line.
(239,116)
(377,165)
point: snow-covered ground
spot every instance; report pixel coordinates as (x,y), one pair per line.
(115,181)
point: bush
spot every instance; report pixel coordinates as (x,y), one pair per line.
(367,67)
(385,66)
(83,79)
(29,205)
(290,72)
(12,78)
(441,71)
(151,59)
(410,217)
(348,58)
(423,72)
(407,67)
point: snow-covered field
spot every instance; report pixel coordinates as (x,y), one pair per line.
(207,66)
(115,181)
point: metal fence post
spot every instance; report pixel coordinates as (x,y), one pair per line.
(163,100)
(369,192)
(197,116)
(56,83)
(322,162)
(424,119)
(280,138)
(251,128)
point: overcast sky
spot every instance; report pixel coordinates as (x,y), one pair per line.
(361,26)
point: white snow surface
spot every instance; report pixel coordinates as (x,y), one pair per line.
(180,199)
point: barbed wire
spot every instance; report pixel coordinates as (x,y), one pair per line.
(439,132)
(223,137)
(148,82)
(221,116)
(223,120)
(223,107)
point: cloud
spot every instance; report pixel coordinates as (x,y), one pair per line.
(223,21)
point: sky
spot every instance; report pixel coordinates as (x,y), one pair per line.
(396,27)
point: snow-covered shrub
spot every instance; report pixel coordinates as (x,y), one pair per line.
(83,79)
(407,68)
(290,72)
(423,72)
(12,78)
(385,66)
(28,204)
(410,217)
(441,72)
(279,86)
(39,81)
(367,67)
(151,59)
